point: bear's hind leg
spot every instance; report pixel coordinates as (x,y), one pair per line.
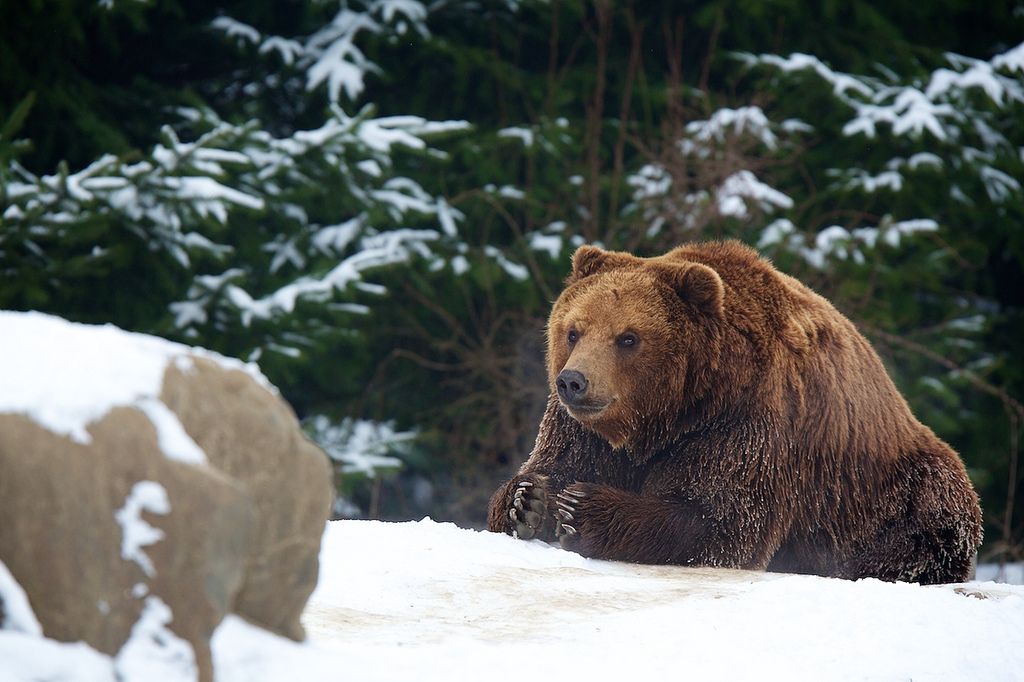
(936,537)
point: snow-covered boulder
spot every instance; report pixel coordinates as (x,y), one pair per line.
(147,489)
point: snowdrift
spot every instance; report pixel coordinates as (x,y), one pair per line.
(428,601)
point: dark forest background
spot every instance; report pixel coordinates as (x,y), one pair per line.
(377,201)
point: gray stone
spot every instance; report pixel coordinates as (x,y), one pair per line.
(241,533)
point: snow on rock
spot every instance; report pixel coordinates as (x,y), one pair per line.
(65,376)
(218,508)
(153,652)
(147,496)
(15,611)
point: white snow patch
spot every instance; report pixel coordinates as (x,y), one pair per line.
(524,135)
(136,533)
(336,238)
(841,82)
(65,376)
(649,182)
(905,228)
(460,265)
(742,188)
(1011,60)
(446,216)
(776,232)
(549,243)
(514,270)
(174,441)
(28,658)
(243,33)
(153,652)
(360,445)
(749,120)
(15,612)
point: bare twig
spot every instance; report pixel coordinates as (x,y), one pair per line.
(595,114)
(636,33)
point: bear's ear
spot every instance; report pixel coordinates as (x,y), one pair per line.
(699,286)
(590,260)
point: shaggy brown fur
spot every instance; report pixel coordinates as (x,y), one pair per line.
(708,409)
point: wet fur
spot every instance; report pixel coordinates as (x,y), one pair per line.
(764,434)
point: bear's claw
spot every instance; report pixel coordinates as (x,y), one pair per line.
(567,502)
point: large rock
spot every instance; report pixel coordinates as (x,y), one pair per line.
(147,489)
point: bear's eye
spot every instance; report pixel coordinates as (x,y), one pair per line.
(627,340)
(573,336)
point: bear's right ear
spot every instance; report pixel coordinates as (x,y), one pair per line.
(699,286)
(590,260)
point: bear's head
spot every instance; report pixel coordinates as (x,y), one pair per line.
(633,344)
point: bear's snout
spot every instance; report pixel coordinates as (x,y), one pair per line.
(572,387)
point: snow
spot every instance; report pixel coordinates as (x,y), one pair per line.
(749,120)
(841,82)
(360,445)
(65,376)
(174,441)
(650,182)
(235,29)
(431,601)
(549,243)
(335,238)
(1011,60)
(15,612)
(998,185)
(514,270)
(780,231)
(742,187)
(152,651)
(27,658)
(385,248)
(524,135)
(422,595)
(136,533)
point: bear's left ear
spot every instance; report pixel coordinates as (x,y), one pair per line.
(699,286)
(590,260)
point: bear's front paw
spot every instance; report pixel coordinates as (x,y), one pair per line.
(528,510)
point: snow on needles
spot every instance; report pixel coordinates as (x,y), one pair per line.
(931,107)
(330,56)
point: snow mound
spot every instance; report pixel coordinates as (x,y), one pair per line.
(429,601)
(65,376)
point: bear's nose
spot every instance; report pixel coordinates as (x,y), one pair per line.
(572,386)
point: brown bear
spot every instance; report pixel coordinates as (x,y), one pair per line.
(708,409)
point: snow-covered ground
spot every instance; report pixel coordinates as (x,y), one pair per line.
(430,601)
